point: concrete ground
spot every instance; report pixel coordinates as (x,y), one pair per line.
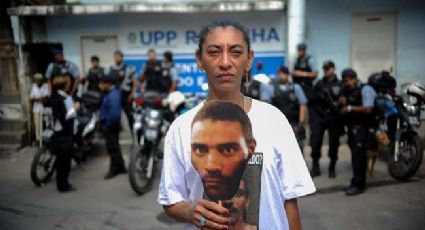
(111,204)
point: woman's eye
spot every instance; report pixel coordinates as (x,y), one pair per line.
(213,52)
(236,53)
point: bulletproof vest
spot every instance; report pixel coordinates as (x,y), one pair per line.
(93,77)
(251,89)
(287,102)
(122,77)
(354,98)
(61,69)
(303,65)
(157,78)
(326,94)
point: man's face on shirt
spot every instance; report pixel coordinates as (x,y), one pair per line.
(219,154)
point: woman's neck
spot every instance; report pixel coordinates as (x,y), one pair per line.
(235,97)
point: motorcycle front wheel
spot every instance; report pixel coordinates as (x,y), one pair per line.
(409,157)
(42,166)
(141,170)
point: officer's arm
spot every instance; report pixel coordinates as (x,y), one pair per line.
(300,73)
(75,72)
(303,112)
(293,214)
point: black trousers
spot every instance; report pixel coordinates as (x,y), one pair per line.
(128,108)
(317,130)
(111,135)
(62,147)
(358,138)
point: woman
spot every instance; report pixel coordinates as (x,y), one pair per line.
(225,54)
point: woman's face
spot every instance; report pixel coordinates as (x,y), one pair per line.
(225,58)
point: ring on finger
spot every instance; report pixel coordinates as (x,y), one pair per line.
(202,222)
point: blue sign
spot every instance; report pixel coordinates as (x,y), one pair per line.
(191,78)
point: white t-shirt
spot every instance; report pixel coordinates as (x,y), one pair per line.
(284,173)
(37,93)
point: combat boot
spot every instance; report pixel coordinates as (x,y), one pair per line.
(315,169)
(332,172)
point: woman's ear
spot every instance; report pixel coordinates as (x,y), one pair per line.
(199,60)
(250,60)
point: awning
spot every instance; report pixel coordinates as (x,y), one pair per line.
(182,7)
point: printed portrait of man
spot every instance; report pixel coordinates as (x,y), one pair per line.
(238,207)
(221,143)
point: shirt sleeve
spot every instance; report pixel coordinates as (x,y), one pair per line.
(266,92)
(49,71)
(368,96)
(299,93)
(174,74)
(313,64)
(73,69)
(32,94)
(172,185)
(294,175)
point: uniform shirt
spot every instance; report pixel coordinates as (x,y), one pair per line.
(73,70)
(110,110)
(284,174)
(368,96)
(174,74)
(268,92)
(38,92)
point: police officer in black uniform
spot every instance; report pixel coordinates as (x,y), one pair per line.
(62,139)
(324,111)
(304,70)
(290,99)
(123,76)
(156,77)
(94,74)
(358,100)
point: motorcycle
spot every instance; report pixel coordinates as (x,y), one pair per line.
(399,117)
(44,160)
(153,115)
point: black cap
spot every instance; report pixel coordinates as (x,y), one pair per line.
(301,46)
(328,64)
(106,78)
(348,72)
(284,69)
(57,51)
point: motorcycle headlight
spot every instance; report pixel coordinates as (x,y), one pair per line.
(411,109)
(153,114)
(150,122)
(137,125)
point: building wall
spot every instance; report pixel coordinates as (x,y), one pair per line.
(138,32)
(328,32)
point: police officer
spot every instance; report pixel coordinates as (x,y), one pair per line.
(291,100)
(110,113)
(155,77)
(252,86)
(94,74)
(123,77)
(168,68)
(304,70)
(324,111)
(358,100)
(61,67)
(62,140)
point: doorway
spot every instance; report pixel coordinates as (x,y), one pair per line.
(373,42)
(102,46)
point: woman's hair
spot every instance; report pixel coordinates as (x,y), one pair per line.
(222,24)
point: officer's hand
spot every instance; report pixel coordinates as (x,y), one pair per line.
(342,101)
(77,106)
(130,98)
(216,217)
(344,110)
